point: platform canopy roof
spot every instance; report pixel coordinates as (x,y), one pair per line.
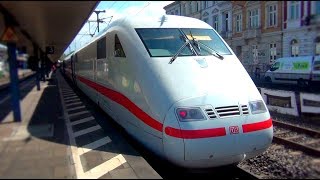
(45,23)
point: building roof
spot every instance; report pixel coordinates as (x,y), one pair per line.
(171,4)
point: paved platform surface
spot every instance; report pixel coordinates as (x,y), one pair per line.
(59,137)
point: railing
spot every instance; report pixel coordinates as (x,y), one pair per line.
(291,102)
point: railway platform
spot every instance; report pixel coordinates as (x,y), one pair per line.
(60,137)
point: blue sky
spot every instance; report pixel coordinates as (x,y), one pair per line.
(116,9)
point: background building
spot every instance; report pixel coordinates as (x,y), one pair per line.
(218,14)
(173,8)
(257,34)
(260,31)
(301,30)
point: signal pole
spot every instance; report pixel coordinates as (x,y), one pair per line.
(98,20)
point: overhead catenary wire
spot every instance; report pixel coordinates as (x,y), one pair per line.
(91,27)
(107,24)
(137,12)
(86,32)
(111,6)
(123,5)
(143,8)
(98,20)
(78,39)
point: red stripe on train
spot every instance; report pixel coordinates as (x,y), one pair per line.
(257,126)
(193,134)
(125,102)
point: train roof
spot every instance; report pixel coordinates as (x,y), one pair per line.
(164,21)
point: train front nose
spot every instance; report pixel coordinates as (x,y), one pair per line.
(228,134)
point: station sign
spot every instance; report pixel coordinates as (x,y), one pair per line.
(50,49)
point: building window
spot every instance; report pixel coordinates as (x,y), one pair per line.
(255,51)
(238,23)
(272,15)
(294,48)
(294,10)
(273,52)
(184,9)
(253,18)
(118,50)
(317,7)
(216,22)
(193,6)
(190,7)
(317,41)
(197,6)
(226,21)
(205,4)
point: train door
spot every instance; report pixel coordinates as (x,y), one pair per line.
(123,80)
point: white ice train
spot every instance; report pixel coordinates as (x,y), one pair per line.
(175,85)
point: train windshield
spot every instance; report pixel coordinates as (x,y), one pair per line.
(165,42)
(208,41)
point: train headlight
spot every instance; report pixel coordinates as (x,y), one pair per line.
(187,114)
(257,107)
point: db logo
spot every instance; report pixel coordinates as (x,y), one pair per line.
(234,129)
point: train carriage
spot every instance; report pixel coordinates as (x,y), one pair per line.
(175,85)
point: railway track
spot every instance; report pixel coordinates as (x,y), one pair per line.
(295,137)
(223,172)
(247,174)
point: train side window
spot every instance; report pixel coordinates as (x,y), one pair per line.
(101,48)
(118,50)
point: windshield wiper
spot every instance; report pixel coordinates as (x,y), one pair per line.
(179,51)
(218,55)
(196,42)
